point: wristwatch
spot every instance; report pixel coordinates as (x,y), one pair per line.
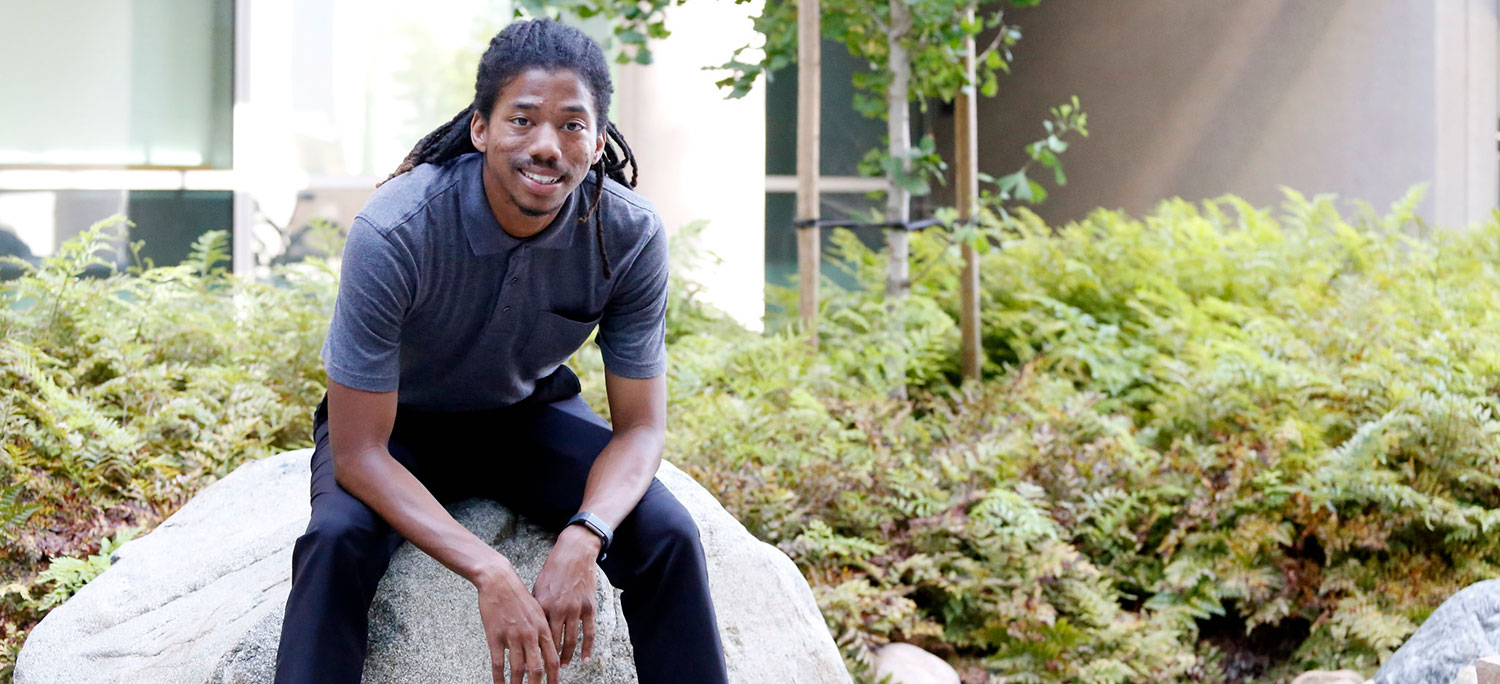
(597,526)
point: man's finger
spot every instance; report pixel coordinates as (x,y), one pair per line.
(559,627)
(497,666)
(517,664)
(588,632)
(570,640)
(549,662)
(534,669)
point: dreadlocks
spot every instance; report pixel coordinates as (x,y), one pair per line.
(545,44)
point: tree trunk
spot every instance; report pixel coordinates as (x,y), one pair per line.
(809,97)
(898,129)
(966,190)
(898,202)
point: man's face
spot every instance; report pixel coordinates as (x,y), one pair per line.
(539,142)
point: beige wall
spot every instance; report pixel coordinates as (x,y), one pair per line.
(1196,98)
(703,157)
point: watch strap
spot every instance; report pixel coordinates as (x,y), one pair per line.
(596,525)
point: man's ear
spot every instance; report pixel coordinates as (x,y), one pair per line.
(478,128)
(598,148)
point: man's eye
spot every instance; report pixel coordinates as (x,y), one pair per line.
(520,121)
(573,126)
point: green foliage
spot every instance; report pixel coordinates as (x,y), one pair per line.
(932,34)
(633,23)
(67,575)
(913,172)
(123,393)
(933,41)
(1067,118)
(1212,410)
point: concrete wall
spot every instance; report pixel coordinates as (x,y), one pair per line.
(1196,98)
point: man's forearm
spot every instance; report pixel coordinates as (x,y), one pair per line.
(622,472)
(383,484)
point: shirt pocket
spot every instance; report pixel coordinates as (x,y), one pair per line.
(554,337)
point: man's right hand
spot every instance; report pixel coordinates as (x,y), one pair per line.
(514,622)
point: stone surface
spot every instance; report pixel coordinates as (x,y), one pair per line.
(1465,628)
(200,599)
(1329,677)
(908,664)
(1467,675)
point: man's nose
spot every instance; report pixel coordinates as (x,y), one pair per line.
(544,145)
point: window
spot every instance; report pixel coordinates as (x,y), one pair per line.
(117,83)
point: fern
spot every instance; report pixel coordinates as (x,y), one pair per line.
(67,575)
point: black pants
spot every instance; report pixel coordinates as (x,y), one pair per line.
(532,458)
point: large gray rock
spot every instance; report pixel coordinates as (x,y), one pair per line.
(1466,627)
(200,599)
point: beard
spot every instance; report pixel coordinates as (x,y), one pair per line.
(532,211)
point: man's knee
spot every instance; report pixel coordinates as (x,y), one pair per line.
(678,530)
(666,527)
(340,534)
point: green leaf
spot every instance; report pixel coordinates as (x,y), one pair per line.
(916,185)
(926,145)
(1037,193)
(1012,185)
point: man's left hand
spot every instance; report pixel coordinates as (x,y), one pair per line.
(565,590)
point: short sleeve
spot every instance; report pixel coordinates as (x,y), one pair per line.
(633,330)
(376,288)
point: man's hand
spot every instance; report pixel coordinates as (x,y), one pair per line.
(514,622)
(565,590)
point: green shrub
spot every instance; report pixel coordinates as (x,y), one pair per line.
(1211,412)
(122,395)
(1207,412)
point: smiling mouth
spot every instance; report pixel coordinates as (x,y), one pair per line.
(541,179)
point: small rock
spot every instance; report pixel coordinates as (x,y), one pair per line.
(908,664)
(1488,669)
(1329,677)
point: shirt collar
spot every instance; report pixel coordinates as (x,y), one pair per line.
(484,233)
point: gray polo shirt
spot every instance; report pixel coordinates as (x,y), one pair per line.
(440,304)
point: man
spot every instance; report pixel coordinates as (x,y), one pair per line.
(468,278)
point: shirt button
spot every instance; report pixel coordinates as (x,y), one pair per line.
(513,280)
(505,310)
